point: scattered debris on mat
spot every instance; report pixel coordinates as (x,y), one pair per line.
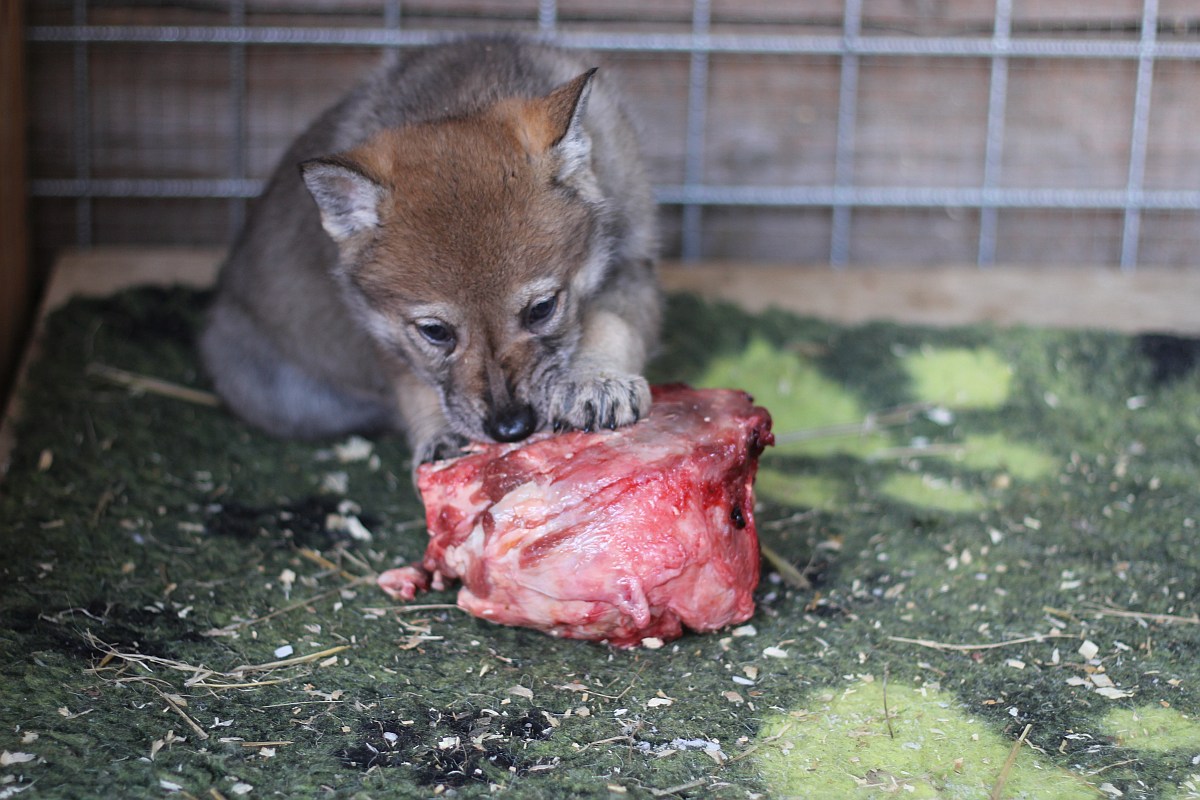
(981,576)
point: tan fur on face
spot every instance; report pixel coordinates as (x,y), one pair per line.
(472,226)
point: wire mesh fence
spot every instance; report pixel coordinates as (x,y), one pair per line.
(862,132)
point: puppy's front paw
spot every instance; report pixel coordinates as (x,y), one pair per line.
(591,400)
(445,444)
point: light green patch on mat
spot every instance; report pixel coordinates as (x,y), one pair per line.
(811,414)
(932,492)
(1153,728)
(995,451)
(840,746)
(959,377)
(802,490)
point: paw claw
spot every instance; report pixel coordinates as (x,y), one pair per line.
(591,399)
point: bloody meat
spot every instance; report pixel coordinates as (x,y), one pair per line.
(616,535)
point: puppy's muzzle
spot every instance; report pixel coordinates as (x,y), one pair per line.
(511,423)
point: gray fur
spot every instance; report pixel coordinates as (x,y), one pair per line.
(290,347)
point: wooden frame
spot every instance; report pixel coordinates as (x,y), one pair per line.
(16,279)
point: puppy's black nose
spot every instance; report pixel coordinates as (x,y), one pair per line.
(512,424)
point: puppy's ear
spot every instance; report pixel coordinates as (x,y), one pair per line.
(347,198)
(566,106)
(553,124)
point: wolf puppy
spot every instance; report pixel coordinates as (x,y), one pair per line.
(478,263)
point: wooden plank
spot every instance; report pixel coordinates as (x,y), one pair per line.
(1161,300)
(16,280)
(1149,300)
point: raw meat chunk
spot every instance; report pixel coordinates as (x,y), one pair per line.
(614,536)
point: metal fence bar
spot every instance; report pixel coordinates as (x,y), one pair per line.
(391,14)
(928,197)
(547,16)
(993,152)
(82,125)
(843,158)
(237,102)
(701,194)
(1131,230)
(146,188)
(697,117)
(681,43)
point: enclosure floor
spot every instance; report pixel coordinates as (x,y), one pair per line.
(981,561)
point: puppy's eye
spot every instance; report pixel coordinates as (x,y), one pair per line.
(541,311)
(436,333)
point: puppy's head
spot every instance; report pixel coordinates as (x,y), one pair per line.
(467,245)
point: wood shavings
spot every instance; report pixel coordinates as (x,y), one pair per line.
(233,628)
(1101,683)
(573,686)
(348,524)
(176,704)
(158,744)
(356,448)
(683,787)
(998,788)
(1041,637)
(289,662)
(143,384)
(791,575)
(609,740)
(1108,611)
(1088,650)
(521,691)
(334,483)
(63,711)
(287,578)
(7,759)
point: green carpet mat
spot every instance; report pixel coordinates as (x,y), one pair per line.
(988,536)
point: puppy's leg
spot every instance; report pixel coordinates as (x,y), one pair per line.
(429,433)
(602,387)
(260,385)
